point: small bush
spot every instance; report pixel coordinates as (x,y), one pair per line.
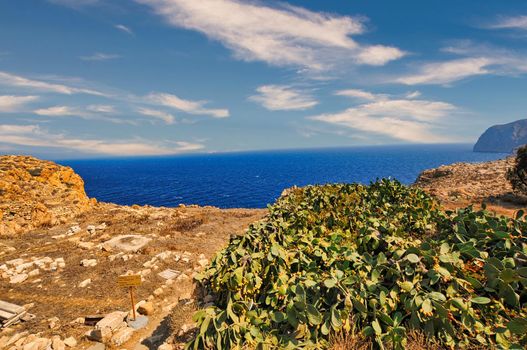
(517,175)
(379,261)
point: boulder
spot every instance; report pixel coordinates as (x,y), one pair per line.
(71,342)
(122,336)
(57,343)
(111,321)
(146,309)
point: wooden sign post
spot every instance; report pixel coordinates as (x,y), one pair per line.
(130,281)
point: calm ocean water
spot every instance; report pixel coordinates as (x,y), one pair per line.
(252,180)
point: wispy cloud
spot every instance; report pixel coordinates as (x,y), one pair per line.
(413,94)
(99,56)
(279,34)
(191,107)
(358,94)
(59,111)
(11,103)
(90,112)
(12,80)
(473,60)
(34,136)
(510,22)
(154,113)
(124,28)
(449,71)
(401,119)
(102,109)
(283,97)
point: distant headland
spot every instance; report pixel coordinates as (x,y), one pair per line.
(503,138)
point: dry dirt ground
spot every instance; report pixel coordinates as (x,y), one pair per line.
(187,232)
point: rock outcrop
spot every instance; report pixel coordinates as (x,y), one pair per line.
(34,193)
(503,138)
(468,182)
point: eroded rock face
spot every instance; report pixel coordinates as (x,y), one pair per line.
(469,181)
(34,193)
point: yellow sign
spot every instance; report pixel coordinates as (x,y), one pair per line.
(129,281)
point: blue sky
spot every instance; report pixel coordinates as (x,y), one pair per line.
(91,78)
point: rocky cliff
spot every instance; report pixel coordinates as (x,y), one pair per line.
(35,193)
(503,138)
(461,184)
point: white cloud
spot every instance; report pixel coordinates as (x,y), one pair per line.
(34,136)
(449,71)
(164,116)
(102,109)
(11,103)
(413,94)
(191,107)
(99,56)
(124,28)
(59,111)
(90,112)
(514,22)
(359,94)
(283,97)
(11,80)
(401,119)
(379,55)
(282,34)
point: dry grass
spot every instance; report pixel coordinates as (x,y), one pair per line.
(351,341)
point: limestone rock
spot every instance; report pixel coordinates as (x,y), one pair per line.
(126,243)
(34,193)
(112,321)
(146,309)
(71,342)
(122,336)
(85,283)
(57,343)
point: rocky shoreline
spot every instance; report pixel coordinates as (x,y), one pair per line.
(61,253)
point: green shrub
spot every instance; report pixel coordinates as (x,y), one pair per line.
(517,175)
(379,259)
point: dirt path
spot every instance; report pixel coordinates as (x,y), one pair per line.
(181,239)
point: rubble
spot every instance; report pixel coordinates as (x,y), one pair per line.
(89,262)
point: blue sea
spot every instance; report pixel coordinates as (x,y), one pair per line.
(255,179)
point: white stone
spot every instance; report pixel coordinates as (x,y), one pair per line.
(86,245)
(88,262)
(33,273)
(85,283)
(122,336)
(73,230)
(53,322)
(127,243)
(112,321)
(15,262)
(71,342)
(18,278)
(57,343)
